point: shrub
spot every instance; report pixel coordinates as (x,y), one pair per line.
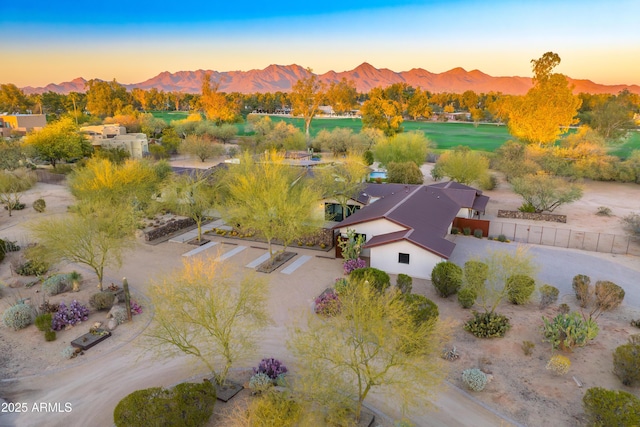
(477,233)
(447,278)
(47,307)
(626,363)
(475,274)
(467,297)
(270,367)
(274,409)
(603,211)
(488,325)
(57,284)
(475,379)
(527,207)
(404,283)
(466,231)
(421,308)
(340,286)
(32,268)
(559,364)
(488,182)
(632,223)
(8,246)
(69,352)
(564,308)
(120,314)
(527,347)
(581,286)
(455,230)
(353,264)
(135,308)
(43,322)
(50,335)
(450,354)
(608,295)
(520,288)
(376,278)
(39,205)
(71,315)
(611,408)
(260,382)
(328,304)
(102,300)
(548,295)
(502,238)
(635,323)
(187,404)
(566,331)
(18,316)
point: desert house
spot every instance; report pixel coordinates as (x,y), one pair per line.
(21,123)
(405,227)
(115,136)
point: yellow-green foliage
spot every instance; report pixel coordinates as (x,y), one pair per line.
(273,409)
(559,364)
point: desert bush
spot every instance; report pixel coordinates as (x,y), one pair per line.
(260,382)
(50,335)
(527,347)
(611,408)
(327,304)
(548,295)
(564,308)
(603,211)
(69,352)
(8,246)
(488,325)
(39,205)
(102,300)
(450,354)
(502,238)
(527,207)
(47,307)
(520,288)
(566,331)
(43,322)
(474,379)
(353,264)
(559,364)
(608,295)
(455,230)
(273,409)
(32,268)
(120,314)
(635,322)
(626,362)
(466,231)
(581,286)
(422,309)
(475,274)
(271,367)
(71,315)
(186,404)
(56,284)
(632,223)
(18,316)
(477,233)
(340,285)
(467,297)
(404,283)
(379,279)
(446,278)
(488,181)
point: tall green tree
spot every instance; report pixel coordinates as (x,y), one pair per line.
(269,197)
(200,147)
(380,112)
(215,104)
(404,173)
(342,96)
(548,108)
(96,234)
(462,165)
(106,98)
(544,192)
(58,141)
(306,97)
(12,99)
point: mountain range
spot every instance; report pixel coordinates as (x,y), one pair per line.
(282,78)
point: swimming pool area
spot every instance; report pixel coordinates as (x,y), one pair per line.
(378,174)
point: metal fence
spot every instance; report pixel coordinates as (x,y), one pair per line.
(567,238)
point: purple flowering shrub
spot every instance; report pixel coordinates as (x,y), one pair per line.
(328,304)
(71,315)
(270,367)
(135,307)
(353,264)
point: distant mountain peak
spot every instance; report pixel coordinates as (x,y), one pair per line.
(365,76)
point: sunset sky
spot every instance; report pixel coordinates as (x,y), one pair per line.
(132,41)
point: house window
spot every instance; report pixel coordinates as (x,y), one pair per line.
(403,258)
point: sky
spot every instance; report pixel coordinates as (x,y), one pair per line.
(131,41)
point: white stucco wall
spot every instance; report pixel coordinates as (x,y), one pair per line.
(421,261)
(374,228)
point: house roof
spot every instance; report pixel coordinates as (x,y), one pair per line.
(426,212)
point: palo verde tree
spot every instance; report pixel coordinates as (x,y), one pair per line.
(271,198)
(190,195)
(404,147)
(306,97)
(206,311)
(96,234)
(373,344)
(58,141)
(462,165)
(201,147)
(543,192)
(548,108)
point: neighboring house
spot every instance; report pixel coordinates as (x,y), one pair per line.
(405,226)
(115,136)
(21,123)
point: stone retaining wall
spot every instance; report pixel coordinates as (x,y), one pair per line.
(532,216)
(168,228)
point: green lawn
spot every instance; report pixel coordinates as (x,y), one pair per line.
(624,150)
(169,116)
